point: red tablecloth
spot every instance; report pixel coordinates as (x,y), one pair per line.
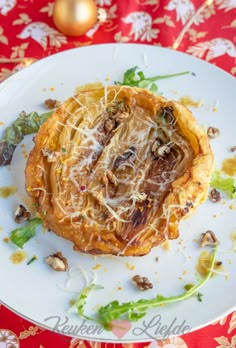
(205,29)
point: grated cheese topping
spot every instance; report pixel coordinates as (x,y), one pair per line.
(118,157)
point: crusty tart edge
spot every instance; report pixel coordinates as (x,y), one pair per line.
(191,187)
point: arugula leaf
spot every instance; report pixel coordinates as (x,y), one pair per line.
(135,78)
(14,134)
(226,184)
(136,310)
(81,301)
(22,235)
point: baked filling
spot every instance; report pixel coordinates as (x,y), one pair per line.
(115,169)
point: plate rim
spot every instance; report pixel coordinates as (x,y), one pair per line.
(117,341)
(118,44)
(96,46)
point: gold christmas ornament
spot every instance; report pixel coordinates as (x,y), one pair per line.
(75,17)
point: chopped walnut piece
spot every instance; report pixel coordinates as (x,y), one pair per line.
(52,103)
(21,214)
(233,148)
(214,195)
(213,132)
(128,156)
(219,263)
(52,156)
(209,238)
(142,282)
(187,207)
(57,262)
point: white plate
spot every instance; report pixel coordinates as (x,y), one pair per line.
(35,291)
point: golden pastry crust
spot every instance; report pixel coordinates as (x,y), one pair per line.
(115,169)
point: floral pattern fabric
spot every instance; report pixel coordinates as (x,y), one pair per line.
(204,29)
(16,332)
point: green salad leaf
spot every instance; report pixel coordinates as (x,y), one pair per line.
(23,234)
(134,310)
(81,301)
(225,184)
(134,78)
(14,134)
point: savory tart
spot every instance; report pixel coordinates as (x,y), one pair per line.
(115,169)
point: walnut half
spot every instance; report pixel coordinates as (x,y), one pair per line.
(21,214)
(142,282)
(214,195)
(52,103)
(209,238)
(57,262)
(213,132)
